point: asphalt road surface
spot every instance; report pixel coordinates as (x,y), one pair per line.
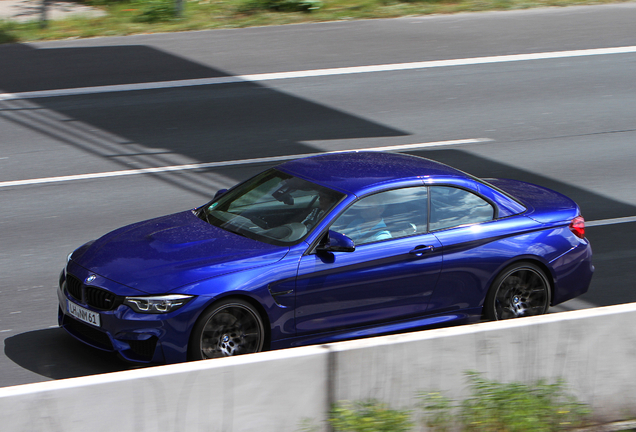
(565,120)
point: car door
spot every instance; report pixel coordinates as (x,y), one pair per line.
(388,277)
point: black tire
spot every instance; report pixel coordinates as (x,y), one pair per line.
(227,328)
(521,289)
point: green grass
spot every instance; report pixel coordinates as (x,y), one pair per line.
(125,17)
(491,407)
(505,407)
(369,416)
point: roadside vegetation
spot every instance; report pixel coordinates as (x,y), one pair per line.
(125,17)
(491,407)
(506,407)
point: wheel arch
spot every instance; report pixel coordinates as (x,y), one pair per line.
(539,263)
(547,271)
(237,296)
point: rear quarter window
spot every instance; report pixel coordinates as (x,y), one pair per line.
(452,207)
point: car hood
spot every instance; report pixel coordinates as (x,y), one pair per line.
(160,255)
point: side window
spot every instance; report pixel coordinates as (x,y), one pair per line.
(392,214)
(452,207)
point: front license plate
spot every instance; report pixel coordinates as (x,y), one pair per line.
(82,314)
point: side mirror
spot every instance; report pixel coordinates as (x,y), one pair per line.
(219,193)
(336,242)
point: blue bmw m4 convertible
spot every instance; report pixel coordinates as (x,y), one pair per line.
(322,249)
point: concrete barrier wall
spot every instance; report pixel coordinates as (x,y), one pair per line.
(265,392)
(593,350)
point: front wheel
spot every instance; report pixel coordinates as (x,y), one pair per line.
(227,328)
(521,289)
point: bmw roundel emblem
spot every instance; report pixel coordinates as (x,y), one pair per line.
(90,279)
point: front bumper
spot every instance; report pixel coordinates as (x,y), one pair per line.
(136,337)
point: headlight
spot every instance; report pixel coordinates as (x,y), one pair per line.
(157,304)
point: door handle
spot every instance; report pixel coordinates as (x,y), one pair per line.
(419,250)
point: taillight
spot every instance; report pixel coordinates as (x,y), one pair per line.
(577,226)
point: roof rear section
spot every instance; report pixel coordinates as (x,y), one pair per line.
(543,205)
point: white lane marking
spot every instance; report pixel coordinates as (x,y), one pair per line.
(612,221)
(316,73)
(187,167)
(155,170)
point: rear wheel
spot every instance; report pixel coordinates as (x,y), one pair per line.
(521,289)
(227,328)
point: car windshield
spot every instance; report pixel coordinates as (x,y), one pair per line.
(273,207)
